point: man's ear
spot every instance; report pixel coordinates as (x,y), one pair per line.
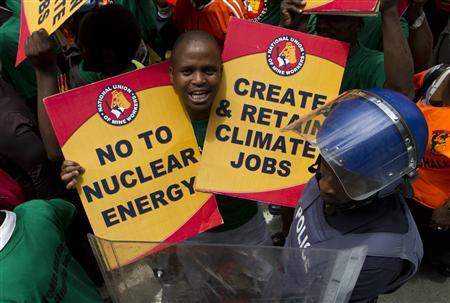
(171,74)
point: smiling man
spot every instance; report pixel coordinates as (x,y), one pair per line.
(196,74)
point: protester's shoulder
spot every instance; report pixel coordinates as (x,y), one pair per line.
(14,123)
(45,208)
(14,6)
(9,31)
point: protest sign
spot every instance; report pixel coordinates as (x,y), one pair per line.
(135,140)
(272,76)
(46,14)
(349,7)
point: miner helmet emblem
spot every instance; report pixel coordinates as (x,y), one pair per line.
(285,55)
(117,104)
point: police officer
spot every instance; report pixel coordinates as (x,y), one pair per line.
(370,143)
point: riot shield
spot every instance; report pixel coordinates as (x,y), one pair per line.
(188,272)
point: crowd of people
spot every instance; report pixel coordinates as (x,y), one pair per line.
(379,181)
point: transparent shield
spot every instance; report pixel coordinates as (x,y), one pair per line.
(187,272)
(363,139)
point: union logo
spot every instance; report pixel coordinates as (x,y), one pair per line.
(117,104)
(256,9)
(285,56)
(439,142)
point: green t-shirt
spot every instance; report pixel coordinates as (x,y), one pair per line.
(235,211)
(36,265)
(268,12)
(14,6)
(365,69)
(371,35)
(23,77)
(87,77)
(145,12)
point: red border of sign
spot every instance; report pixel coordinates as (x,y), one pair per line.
(346,6)
(241,44)
(80,112)
(208,210)
(355,6)
(23,35)
(285,197)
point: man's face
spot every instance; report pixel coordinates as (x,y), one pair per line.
(196,73)
(342,28)
(330,187)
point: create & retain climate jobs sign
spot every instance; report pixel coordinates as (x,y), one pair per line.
(272,76)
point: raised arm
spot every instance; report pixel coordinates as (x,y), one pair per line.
(41,53)
(420,35)
(398,61)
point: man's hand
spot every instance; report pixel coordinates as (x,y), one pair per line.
(291,12)
(440,220)
(388,4)
(40,51)
(70,170)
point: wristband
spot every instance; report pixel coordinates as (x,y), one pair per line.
(418,22)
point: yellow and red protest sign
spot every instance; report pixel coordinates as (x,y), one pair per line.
(135,140)
(272,76)
(342,6)
(351,7)
(46,14)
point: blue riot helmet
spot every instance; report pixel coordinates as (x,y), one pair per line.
(433,82)
(371,139)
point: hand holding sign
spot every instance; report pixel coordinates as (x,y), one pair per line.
(40,51)
(70,171)
(43,14)
(292,14)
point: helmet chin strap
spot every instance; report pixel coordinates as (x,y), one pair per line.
(353,204)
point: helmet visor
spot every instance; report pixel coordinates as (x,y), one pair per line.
(363,139)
